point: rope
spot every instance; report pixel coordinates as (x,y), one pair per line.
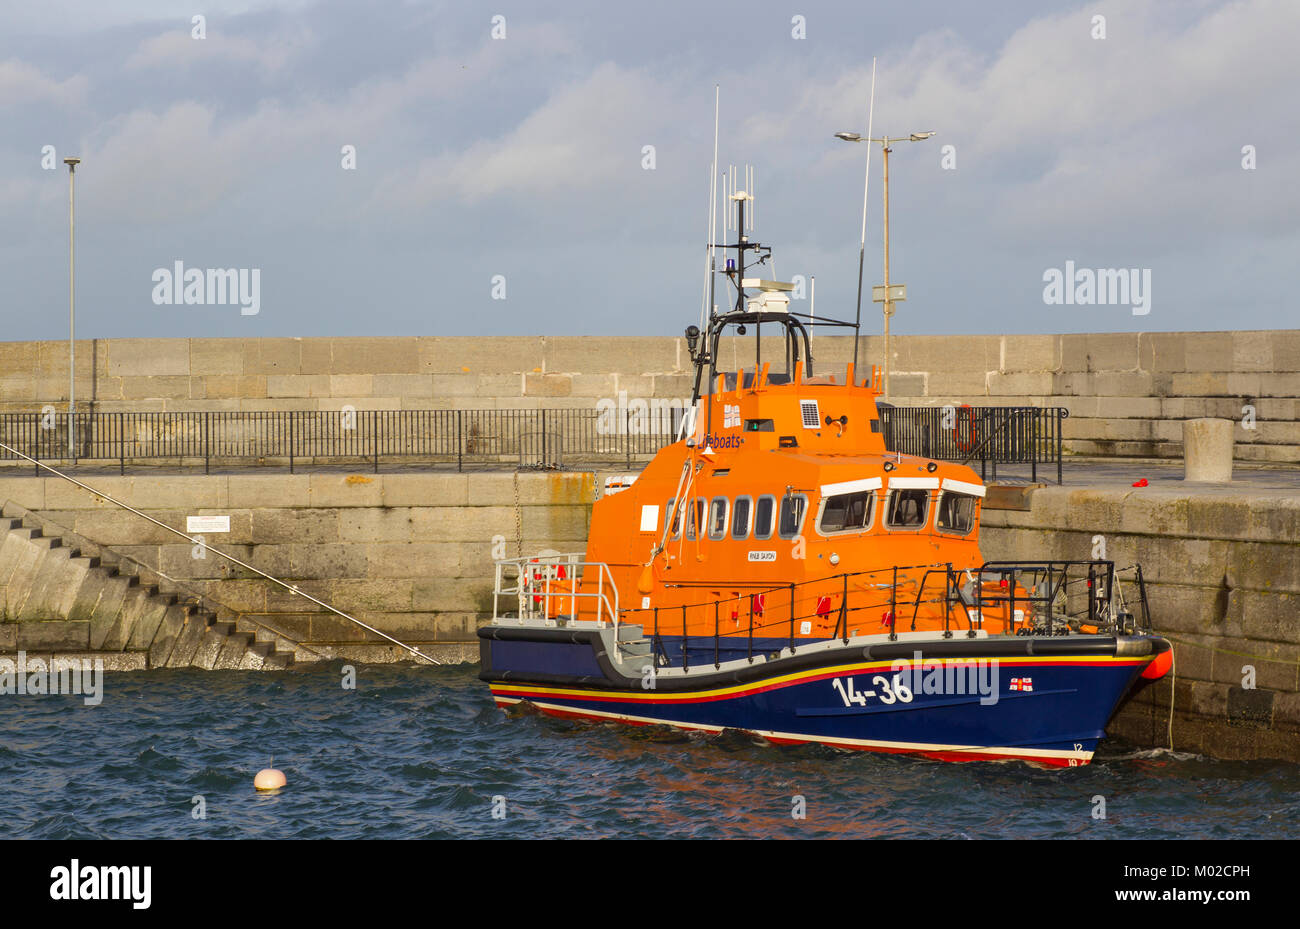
(1173,680)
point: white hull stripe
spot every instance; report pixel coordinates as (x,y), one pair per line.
(826,740)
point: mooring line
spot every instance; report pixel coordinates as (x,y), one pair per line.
(292,588)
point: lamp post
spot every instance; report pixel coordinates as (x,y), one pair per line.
(72,306)
(885,294)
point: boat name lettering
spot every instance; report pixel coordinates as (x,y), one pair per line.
(762,556)
(897,692)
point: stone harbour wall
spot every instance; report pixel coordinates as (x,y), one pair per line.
(1223,583)
(410,554)
(1127,393)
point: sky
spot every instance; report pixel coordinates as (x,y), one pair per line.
(500,180)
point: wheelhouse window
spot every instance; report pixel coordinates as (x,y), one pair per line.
(676,530)
(764,510)
(793,508)
(907,508)
(847,512)
(740,517)
(956,513)
(718,518)
(695,518)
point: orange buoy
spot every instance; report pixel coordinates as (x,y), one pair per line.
(1159,666)
(269,778)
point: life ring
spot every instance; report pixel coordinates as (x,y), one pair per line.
(972,429)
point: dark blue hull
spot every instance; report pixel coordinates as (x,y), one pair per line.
(1045,700)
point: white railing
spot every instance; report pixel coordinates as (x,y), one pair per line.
(542,580)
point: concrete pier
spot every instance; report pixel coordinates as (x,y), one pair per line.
(1127,393)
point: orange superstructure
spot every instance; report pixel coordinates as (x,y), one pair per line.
(784,502)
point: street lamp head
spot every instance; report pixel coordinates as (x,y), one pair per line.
(849,136)
(920,136)
(72,162)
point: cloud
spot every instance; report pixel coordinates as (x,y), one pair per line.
(176,49)
(21,83)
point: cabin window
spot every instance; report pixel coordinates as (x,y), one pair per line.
(793,507)
(908,508)
(847,512)
(718,518)
(695,518)
(956,513)
(764,510)
(676,530)
(740,517)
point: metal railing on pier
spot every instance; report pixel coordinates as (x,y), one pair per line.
(991,435)
(536,438)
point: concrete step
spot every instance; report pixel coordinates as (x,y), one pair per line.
(72,593)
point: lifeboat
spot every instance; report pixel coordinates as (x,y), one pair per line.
(778,570)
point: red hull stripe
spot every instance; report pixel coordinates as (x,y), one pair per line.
(941,753)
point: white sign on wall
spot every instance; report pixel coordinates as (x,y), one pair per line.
(207,524)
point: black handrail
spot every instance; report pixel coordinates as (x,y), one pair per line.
(1049,576)
(287,437)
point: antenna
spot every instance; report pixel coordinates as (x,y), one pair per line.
(857,324)
(710,263)
(749,189)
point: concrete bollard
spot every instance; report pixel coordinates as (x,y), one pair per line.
(1207,450)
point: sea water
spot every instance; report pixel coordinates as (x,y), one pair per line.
(420,751)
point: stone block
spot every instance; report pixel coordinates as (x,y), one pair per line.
(248,491)
(426,489)
(1279,385)
(1029,353)
(266,356)
(1013,384)
(547,385)
(375,355)
(465,355)
(298,385)
(1200,384)
(156,387)
(619,354)
(216,356)
(412,559)
(1252,350)
(335,490)
(1207,449)
(314,525)
(1107,351)
(563,527)
(403,385)
(467,385)
(131,358)
(55,635)
(351,385)
(233,386)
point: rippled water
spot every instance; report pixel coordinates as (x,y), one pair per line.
(422,752)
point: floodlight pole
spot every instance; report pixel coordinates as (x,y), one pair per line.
(72,306)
